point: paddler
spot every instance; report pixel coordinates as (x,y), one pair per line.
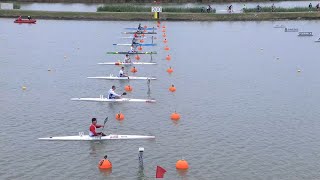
(134,41)
(139,27)
(132,49)
(29,17)
(93,128)
(113,95)
(121,73)
(127,59)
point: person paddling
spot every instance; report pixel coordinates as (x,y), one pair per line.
(93,128)
(121,73)
(127,59)
(113,95)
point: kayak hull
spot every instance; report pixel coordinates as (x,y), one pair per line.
(122,78)
(101,99)
(27,21)
(128,44)
(122,63)
(132,52)
(96,138)
(139,33)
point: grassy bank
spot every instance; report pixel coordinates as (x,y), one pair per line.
(142,1)
(295,9)
(142,8)
(139,16)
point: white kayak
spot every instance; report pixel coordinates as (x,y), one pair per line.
(102,99)
(123,63)
(96,138)
(122,78)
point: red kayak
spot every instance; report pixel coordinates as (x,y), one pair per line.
(25,21)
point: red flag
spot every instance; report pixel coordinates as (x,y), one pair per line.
(160,172)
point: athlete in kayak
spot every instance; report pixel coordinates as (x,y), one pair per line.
(134,42)
(121,73)
(113,95)
(132,49)
(127,59)
(93,128)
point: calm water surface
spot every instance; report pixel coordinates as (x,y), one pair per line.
(245,113)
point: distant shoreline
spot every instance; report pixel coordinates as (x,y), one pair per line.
(141,1)
(143,16)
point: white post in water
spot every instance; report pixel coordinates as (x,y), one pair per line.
(141,149)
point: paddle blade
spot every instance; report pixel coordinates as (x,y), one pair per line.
(105,120)
(124,93)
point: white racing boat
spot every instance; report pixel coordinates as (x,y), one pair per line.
(123,63)
(122,78)
(102,99)
(82,137)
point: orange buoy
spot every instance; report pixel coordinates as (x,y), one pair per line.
(134,70)
(165,41)
(164,35)
(175,116)
(145,27)
(105,163)
(128,88)
(166,48)
(142,35)
(144,30)
(172,88)
(137,57)
(169,70)
(119,116)
(158,25)
(163,30)
(163,26)
(141,40)
(140,48)
(182,164)
(168,58)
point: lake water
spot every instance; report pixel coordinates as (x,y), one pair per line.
(220,7)
(246,111)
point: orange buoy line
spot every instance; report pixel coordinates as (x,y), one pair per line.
(170,70)
(182,164)
(134,70)
(168,58)
(175,116)
(105,163)
(119,116)
(172,88)
(128,88)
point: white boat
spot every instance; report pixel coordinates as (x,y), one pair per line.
(102,99)
(122,78)
(123,63)
(291,29)
(82,137)
(305,34)
(317,40)
(279,26)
